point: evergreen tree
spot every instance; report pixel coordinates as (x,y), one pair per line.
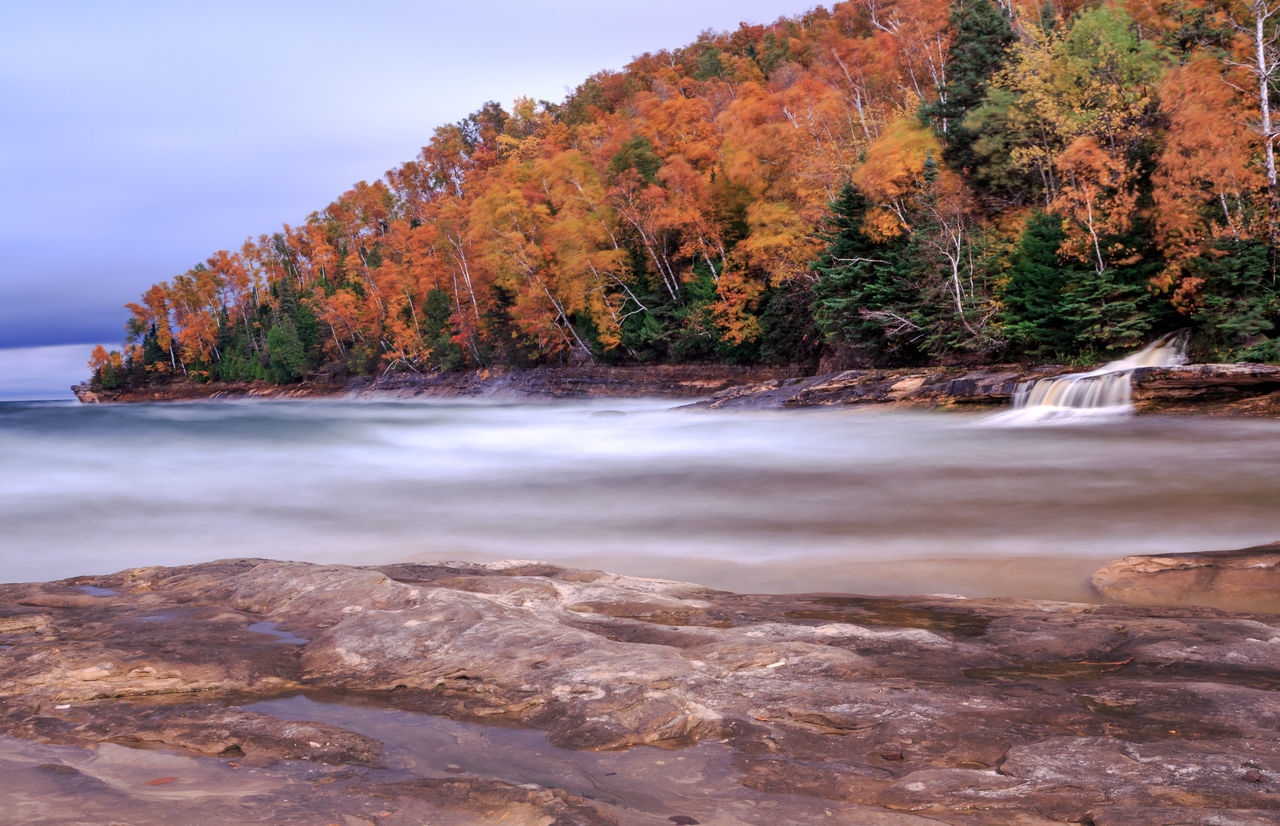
(1035,321)
(287,359)
(1111,311)
(695,336)
(709,65)
(446,353)
(1056,308)
(863,297)
(308,327)
(1116,308)
(787,332)
(636,154)
(152,352)
(1239,304)
(979,46)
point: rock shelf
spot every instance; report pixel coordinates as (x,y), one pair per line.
(816,707)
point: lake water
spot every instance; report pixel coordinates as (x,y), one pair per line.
(848,500)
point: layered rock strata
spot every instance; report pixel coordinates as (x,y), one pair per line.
(926,387)
(1223,389)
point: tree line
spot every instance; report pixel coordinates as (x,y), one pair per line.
(884,182)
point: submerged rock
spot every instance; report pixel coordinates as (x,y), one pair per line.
(893,710)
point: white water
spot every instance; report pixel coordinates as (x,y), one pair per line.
(843,500)
(1103,393)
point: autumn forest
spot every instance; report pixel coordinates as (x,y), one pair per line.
(886,182)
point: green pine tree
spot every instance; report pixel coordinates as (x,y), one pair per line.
(1035,320)
(864,297)
(445,352)
(1239,305)
(979,47)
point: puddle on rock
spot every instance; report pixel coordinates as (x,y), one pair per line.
(642,786)
(47,784)
(95,591)
(163,616)
(268,627)
(645,785)
(873,611)
(1065,672)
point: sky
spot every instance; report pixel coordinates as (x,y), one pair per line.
(141,137)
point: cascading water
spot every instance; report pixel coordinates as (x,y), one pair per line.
(1103,392)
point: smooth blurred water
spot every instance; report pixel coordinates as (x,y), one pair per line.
(870,502)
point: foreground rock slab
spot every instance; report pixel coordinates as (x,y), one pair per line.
(289,692)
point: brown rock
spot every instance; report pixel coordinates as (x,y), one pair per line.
(636,381)
(1204,381)
(874,710)
(1220,389)
(1243,580)
(903,387)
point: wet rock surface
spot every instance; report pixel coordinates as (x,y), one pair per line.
(647,702)
(1247,579)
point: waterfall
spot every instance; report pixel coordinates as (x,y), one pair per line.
(1099,393)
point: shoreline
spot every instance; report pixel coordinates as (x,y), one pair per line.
(1231,390)
(684,381)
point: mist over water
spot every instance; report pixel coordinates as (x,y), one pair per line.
(869,502)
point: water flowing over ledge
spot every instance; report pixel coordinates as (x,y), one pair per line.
(1105,392)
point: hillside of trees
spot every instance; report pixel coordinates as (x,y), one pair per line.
(885,182)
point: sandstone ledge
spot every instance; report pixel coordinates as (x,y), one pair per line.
(922,387)
(1247,579)
(1220,389)
(903,710)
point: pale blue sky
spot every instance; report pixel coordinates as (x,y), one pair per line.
(139,137)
